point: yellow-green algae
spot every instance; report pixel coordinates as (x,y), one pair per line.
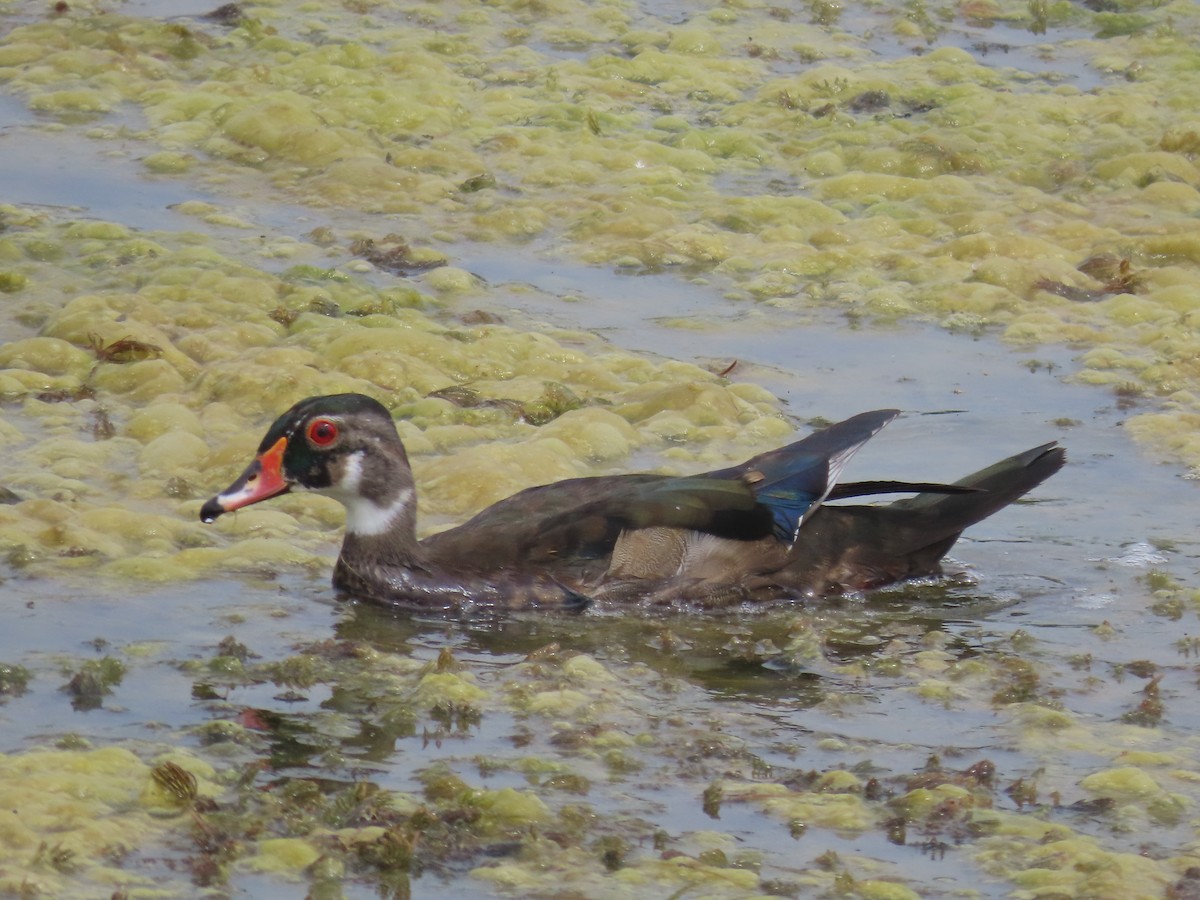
(958,200)
(65,815)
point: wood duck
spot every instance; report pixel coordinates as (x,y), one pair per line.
(753,532)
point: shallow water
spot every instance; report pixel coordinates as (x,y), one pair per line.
(1060,580)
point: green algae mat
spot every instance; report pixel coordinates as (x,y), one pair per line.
(207,214)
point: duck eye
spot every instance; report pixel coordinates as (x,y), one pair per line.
(322,432)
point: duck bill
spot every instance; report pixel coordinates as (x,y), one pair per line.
(263,478)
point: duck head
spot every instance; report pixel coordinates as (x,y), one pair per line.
(344,446)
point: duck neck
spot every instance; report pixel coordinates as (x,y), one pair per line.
(381,511)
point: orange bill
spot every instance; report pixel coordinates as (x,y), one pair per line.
(263,478)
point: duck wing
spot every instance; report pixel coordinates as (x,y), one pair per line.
(570,522)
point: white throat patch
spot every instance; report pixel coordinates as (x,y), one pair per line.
(364,516)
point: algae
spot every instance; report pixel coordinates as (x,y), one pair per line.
(974,177)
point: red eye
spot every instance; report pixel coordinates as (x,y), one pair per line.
(322,432)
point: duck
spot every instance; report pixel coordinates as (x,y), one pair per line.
(765,530)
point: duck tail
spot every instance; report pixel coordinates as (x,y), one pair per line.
(928,524)
(989,489)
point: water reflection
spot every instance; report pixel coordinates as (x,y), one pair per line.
(785,656)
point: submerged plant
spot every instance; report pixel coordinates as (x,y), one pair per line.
(93,681)
(13,679)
